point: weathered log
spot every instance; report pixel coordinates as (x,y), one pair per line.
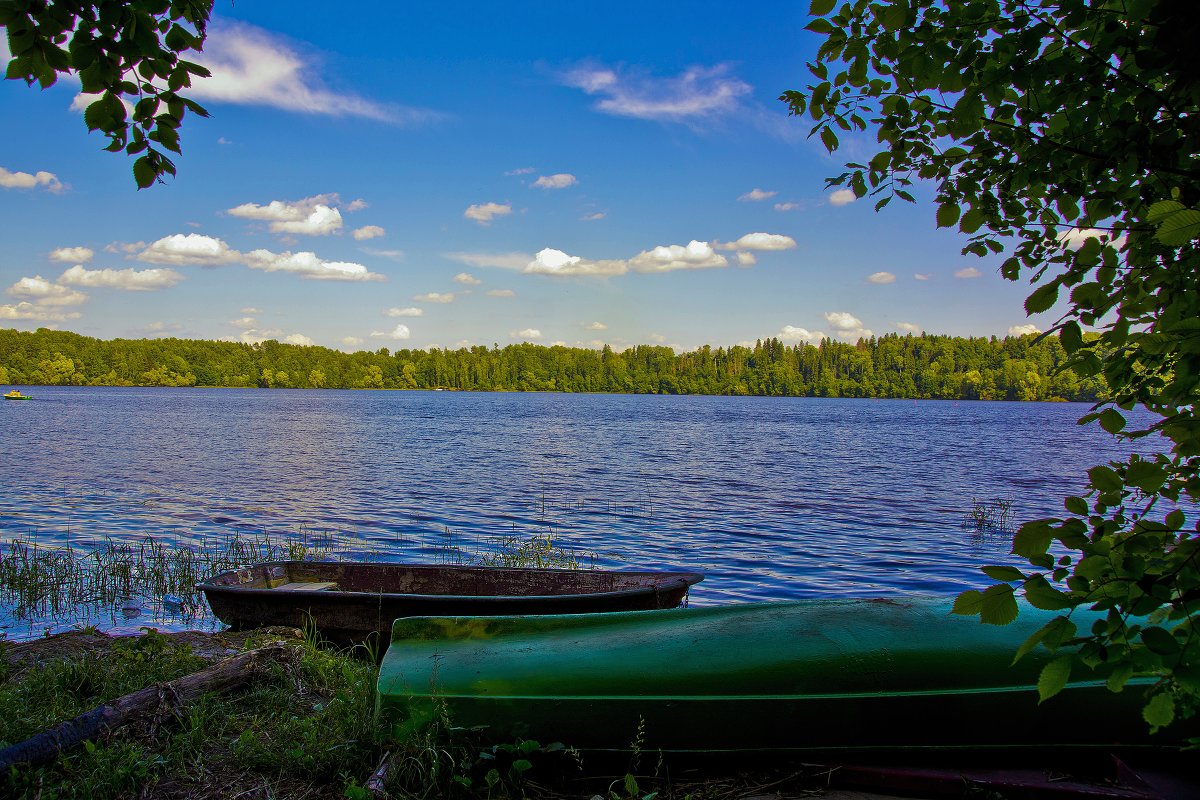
(224,676)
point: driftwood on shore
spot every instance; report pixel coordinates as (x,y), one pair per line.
(220,678)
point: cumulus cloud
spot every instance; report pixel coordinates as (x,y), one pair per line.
(497,260)
(759,241)
(399,333)
(312,216)
(251,66)
(595,215)
(435,297)
(698,93)
(968,272)
(44,293)
(922,276)
(356,205)
(132,280)
(559,180)
(72,255)
(298,338)
(25,310)
(411,311)
(467,279)
(527,334)
(842,197)
(1023,330)
(786,206)
(308,265)
(667,258)
(908,327)
(24,180)
(351,341)
(846,326)
(484,213)
(555,262)
(501,293)
(791,333)
(368,232)
(746,259)
(244,322)
(755,195)
(881,277)
(596,326)
(189,249)
(251,310)
(1076,237)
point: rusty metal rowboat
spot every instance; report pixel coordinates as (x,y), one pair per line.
(348,601)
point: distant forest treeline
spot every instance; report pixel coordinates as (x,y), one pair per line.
(1013,368)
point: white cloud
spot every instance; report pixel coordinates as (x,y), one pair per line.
(356,205)
(308,265)
(132,280)
(399,333)
(596,326)
(755,195)
(72,255)
(44,293)
(759,241)
(435,297)
(189,249)
(498,260)
(595,215)
(244,322)
(466,279)
(700,92)
(501,293)
(908,327)
(23,180)
(922,276)
(313,216)
(528,334)
(842,197)
(250,66)
(881,278)
(667,258)
(397,255)
(746,259)
(351,341)
(1075,238)
(223,140)
(846,326)
(484,213)
(559,180)
(28,311)
(657,337)
(555,262)
(521,171)
(968,272)
(791,333)
(251,310)
(368,232)
(298,338)
(411,311)
(786,206)
(1023,330)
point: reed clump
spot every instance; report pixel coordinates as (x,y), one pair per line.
(995,515)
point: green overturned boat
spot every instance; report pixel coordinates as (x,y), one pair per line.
(825,676)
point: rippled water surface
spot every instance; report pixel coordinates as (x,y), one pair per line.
(774,498)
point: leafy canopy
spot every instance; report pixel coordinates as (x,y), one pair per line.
(128,52)
(1064,137)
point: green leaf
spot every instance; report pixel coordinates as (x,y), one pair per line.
(1111,420)
(1053,678)
(1077,506)
(819,8)
(1105,479)
(1160,641)
(1042,298)
(1179,228)
(1041,594)
(968,604)
(144,172)
(1160,711)
(947,215)
(1032,538)
(1119,677)
(1163,209)
(1175,520)
(1001,573)
(1145,475)
(829,139)
(999,605)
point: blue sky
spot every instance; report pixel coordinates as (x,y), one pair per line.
(475,173)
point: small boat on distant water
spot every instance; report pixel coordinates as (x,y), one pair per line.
(347,601)
(16,395)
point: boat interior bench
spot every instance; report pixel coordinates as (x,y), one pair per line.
(306,586)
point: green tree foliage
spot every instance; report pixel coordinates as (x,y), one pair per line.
(125,53)
(1062,135)
(940,367)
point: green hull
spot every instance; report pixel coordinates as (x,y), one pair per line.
(820,675)
(22,397)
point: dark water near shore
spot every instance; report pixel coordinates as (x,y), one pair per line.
(775,498)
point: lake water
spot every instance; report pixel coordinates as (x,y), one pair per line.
(774,498)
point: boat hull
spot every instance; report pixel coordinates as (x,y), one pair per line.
(368,598)
(818,676)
